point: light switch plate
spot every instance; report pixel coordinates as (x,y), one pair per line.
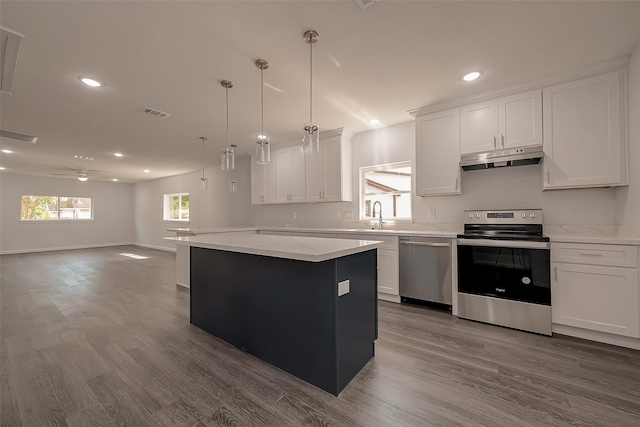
(343,288)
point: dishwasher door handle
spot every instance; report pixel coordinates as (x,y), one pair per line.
(412,243)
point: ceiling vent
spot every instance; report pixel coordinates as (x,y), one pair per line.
(154,112)
(8,58)
(366,3)
(18,136)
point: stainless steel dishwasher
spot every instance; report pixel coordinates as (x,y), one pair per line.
(425,269)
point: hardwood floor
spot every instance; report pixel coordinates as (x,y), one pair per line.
(95,338)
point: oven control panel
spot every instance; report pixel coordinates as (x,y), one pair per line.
(518,216)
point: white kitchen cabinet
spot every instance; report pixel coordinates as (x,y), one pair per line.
(437,169)
(388,267)
(263,184)
(328,171)
(590,291)
(584,133)
(289,174)
(507,122)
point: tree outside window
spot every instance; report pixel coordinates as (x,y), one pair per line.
(176,207)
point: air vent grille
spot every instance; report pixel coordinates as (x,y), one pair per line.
(366,3)
(10,46)
(18,136)
(154,112)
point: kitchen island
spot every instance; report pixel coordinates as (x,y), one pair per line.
(305,305)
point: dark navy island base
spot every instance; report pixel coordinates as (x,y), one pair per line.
(288,312)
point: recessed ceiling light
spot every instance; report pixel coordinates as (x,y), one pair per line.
(1,168)
(78,156)
(469,77)
(82,178)
(7,151)
(118,154)
(115,180)
(374,122)
(146,171)
(91,82)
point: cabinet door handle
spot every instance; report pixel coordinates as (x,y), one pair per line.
(495,142)
(319,194)
(457,182)
(548,177)
(323,194)
(586,254)
(555,273)
(502,138)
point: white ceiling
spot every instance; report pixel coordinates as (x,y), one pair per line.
(379,62)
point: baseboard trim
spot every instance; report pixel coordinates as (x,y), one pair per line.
(160,248)
(597,336)
(64,248)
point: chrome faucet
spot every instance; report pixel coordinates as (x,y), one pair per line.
(380,222)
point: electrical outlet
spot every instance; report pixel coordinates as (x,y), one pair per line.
(348,214)
(295,215)
(339,214)
(431,214)
(343,288)
(581,213)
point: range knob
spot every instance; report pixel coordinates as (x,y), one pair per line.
(471,216)
(524,215)
(478,216)
(532,214)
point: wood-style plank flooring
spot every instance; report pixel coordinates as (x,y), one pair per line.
(95,338)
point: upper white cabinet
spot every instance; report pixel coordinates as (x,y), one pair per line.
(295,177)
(328,172)
(438,153)
(584,133)
(290,174)
(507,122)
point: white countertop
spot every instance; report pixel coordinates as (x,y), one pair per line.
(600,234)
(312,249)
(211,230)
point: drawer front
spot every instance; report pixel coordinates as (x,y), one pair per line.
(607,255)
(390,242)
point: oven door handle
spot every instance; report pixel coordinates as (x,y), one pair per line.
(503,243)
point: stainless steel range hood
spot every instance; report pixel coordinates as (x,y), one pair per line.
(502,158)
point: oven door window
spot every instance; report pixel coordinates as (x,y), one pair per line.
(509,273)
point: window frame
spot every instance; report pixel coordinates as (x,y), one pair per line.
(166,207)
(362,188)
(58,204)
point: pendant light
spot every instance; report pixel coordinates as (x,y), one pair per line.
(311,139)
(263,150)
(229,153)
(203,180)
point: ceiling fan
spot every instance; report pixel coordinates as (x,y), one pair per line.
(80,174)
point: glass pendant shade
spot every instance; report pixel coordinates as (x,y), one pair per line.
(204,183)
(311,138)
(233,186)
(263,151)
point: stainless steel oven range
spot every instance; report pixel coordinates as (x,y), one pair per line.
(504,270)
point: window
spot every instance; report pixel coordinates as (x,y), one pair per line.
(176,207)
(391,186)
(53,208)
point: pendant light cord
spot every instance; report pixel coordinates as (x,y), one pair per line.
(311,84)
(227,91)
(262,103)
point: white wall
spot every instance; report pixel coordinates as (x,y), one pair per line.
(506,188)
(628,209)
(214,207)
(112,223)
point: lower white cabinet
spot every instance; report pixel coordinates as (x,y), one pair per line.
(592,292)
(388,267)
